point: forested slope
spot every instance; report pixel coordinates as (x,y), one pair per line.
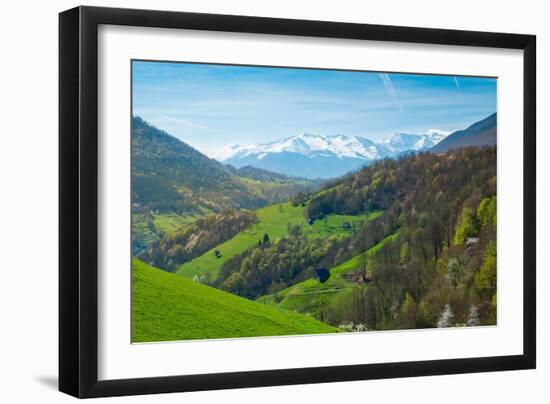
(440,269)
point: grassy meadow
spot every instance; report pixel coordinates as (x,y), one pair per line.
(166,307)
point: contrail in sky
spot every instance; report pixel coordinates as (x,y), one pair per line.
(388,85)
(457,83)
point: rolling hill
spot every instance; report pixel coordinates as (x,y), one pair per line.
(274,220)
(171,176)
(169,308)
(193,240)
(482,133)
(310,296)
(173,184)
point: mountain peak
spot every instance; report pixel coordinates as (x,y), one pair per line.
(325,153)
(437,132)
(308,135)
(402,142)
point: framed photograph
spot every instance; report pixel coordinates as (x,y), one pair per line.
(251,201)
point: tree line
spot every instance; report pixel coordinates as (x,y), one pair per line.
(197,238)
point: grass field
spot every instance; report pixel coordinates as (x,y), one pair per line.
(168,222)
(261,188)
(333,224)
(274,221)
(308,296)
(166,307)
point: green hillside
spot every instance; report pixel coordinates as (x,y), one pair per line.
(150,227)
(173,184)
(274,220)
(309,296)
(168,308)
(170,222)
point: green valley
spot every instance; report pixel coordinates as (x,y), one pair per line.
(225,252)
(276,221)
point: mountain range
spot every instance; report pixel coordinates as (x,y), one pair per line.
(317,156)
(169,175)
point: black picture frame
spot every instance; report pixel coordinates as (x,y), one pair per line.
(78,196)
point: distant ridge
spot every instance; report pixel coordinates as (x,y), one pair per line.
(317,156)
(481,133)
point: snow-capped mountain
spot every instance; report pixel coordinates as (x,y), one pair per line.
(317,156)
(308,145)
(405,142)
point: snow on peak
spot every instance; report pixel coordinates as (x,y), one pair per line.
(437,132)
(308,144)
(338,145)
(401,142)
(228,151)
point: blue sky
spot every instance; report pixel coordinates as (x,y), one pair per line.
(211,106)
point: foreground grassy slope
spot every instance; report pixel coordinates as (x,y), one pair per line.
(166,307)
(274,221)
(309,296)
